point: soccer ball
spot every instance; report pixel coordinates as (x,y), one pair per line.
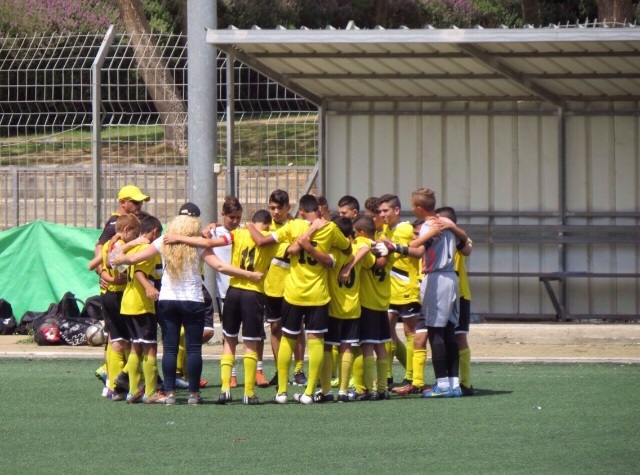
(95,335)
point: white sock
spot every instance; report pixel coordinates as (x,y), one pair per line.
(233,370)
(259,368)
(443,384)
(454,382)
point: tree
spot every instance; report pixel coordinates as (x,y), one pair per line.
(154,71)
(381,12)
(614,10)
(531,12)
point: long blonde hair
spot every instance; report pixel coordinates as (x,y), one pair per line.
(180,257)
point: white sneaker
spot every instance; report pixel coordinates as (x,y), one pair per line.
(280,398)
(302,398)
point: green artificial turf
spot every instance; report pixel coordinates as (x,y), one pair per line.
(525,418)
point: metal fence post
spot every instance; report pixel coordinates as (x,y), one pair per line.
(96,125)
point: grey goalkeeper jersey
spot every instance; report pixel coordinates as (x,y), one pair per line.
(439,256)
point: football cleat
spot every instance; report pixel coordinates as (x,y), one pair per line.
(158,397)
(261,381)
(436,391)
(223,398)
(280,398)
(303,398)
(320,397)
(467,390)
(251,400)
(299,378)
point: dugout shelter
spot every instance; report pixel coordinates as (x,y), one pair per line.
(532,134)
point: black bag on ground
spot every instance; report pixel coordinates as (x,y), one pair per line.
(92,308)
(31,320)
(8,322)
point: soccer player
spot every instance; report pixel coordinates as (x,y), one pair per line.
(324,211)
(405,298)
(127,227)
(279,208)
(344,315)
(375,293)
(439,292)
(139,314)
(462,329)
(130,201)
(306,295)
(349,206)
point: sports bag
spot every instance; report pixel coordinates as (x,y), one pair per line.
(8,322)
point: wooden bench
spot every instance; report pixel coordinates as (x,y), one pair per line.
(559,304)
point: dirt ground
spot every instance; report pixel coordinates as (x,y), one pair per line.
(488,341)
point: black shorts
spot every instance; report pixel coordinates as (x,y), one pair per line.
(374,326)
(208,309)
(343,330)
(246,308)
(406,310)
(142,328)
(114,323)
(314,317)
(465,316)
(273,309)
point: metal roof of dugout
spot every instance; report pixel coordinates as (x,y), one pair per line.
(558,64)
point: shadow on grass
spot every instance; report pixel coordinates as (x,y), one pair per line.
(490,392)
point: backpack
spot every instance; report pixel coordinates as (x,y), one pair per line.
(8,322)
(31,320)
(92,308)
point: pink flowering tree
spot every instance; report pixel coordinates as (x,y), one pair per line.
(56,16)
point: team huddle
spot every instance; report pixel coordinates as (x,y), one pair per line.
(335,283)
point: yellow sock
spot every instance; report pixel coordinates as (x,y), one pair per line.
(381,371)
(107,355)
(316,359)
(150,372)
(115,363)
(298,365)
(346,363)
(389,346)
(182,355)
(250,361)
(419,357)
(358,370)
(401,353)
(369,365)
(134,364)
(408,373)
(285,352)
(327,371)
(335,360)
(226,363)
(465,367)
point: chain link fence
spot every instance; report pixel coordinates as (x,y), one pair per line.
(46,135)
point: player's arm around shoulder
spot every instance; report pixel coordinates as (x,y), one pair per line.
(325,260)
(465,244)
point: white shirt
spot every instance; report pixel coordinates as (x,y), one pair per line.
(189,285)
(224,253)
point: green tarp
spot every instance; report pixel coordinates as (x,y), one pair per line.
(40,261)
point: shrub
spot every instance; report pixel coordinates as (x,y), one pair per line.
(56,16)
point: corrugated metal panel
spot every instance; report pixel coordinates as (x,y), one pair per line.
(493,163)
(556,65)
